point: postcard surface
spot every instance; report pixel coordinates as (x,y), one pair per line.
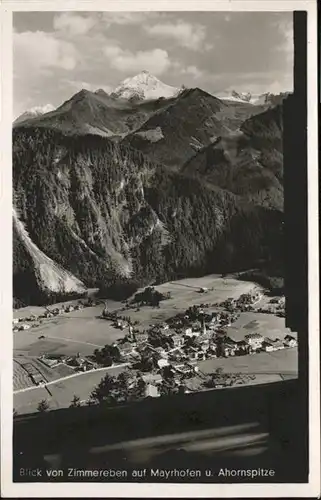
(160,292)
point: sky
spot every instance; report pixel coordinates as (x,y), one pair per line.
(56,54)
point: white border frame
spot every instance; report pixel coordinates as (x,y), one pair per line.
(116,490)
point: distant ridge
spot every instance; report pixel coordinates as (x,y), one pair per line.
(248,97)
(34,112)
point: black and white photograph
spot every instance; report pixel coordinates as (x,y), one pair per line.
(163,330)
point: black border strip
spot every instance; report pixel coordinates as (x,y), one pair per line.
(296,223)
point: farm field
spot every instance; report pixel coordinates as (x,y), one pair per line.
(280,362)
(61,392)
(23,312)
(195,383)
(185,293)
(80,331)
(267,325)
(21,380)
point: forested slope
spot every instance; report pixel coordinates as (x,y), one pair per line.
(104,212)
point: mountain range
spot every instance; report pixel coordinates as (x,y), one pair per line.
(33,113)
(266,98)
(137,187)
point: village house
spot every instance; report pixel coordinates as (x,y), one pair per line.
(152,378)
(211,352)
(196,326)
(211,328)
(85,366)
(229,348)
(161,351)
(119,323)
(79,363)
(142,337)
(126,349)
(204,344)
(176,354)
(144,348)
(185,369)
(192,353)
(178,340)
(49,362)
(242,347)
(254,340)
(72,361)
(192,334)
(290,341)
(273,345)
(37,378)
(162,362)
(267,345)
(152,382)
(24,327)
(151,391)
(214,319)
(201,355)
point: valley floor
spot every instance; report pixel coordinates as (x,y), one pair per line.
(83,331)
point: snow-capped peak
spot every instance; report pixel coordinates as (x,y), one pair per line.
(41,110)
(34,112)
(144,86)
(248,97)
(233,95)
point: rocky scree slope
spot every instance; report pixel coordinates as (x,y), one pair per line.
(36,276)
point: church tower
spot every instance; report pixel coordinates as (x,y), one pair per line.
(130,332)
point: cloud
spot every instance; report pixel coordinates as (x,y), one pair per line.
(78,85)
(73,24)
(190,36)
(286,47)
(125,18)
(37,49)
(284,28)
(193,71)
(156,61)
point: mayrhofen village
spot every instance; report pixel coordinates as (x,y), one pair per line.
(91,350)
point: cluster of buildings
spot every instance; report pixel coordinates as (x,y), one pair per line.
(77,362)
(243,303)
(194,336)
(275,306)
(35,375)
(247,301)
(34,319)
(255,342)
